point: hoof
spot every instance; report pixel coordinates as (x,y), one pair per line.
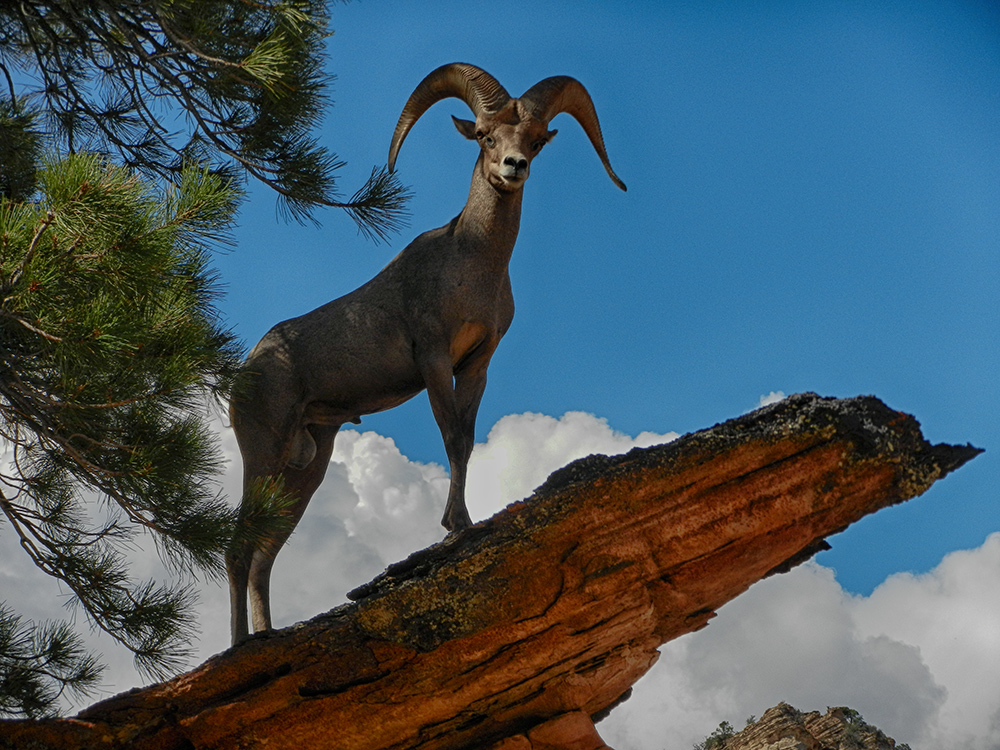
(455,525)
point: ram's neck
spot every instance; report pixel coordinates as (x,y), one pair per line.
(492,217)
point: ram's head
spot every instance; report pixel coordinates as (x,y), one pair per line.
(510,132)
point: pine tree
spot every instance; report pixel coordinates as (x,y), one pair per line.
(161,83)
(124,125)
(109,345)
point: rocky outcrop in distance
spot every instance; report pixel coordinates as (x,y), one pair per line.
(786,728)
(522,631)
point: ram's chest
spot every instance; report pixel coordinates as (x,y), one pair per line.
(476,330)
(471,338)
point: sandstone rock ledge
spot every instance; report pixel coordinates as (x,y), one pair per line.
(522,630)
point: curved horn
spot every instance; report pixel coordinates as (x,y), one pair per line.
(474,86)
(548,98)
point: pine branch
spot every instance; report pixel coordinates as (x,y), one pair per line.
(249,78)
(39,664)
(109,341)
(379,207)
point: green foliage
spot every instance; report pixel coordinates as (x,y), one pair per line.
(240,85)
(110,348)
(20,145)
(856,729)
(717,739)
(851,716)
(262,510)
(110,342)
(38,664)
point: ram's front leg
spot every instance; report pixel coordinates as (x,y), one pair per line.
(455,401)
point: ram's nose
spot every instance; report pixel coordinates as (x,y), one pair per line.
(515,166)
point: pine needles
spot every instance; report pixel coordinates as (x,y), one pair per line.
(238,85)
(110,344)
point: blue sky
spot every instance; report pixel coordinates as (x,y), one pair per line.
(813,204)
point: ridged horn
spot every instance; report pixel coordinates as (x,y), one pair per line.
(548,98)
(474,86)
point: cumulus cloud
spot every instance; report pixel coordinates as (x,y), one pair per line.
(789,638)
(523,449)
(917,658)
(771,398)
(952,615)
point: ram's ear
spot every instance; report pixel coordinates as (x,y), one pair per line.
(465,127)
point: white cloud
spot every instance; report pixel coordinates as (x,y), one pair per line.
(523,449)
(917,658)
(771,398)
(952,615)
(399,503)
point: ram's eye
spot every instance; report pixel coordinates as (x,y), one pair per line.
(537,146)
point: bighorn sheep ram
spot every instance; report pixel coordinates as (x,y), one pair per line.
(430,319)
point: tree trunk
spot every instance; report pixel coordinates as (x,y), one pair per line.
(520,631)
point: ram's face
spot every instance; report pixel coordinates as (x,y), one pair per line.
(509,140)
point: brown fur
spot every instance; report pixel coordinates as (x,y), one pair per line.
(431,318)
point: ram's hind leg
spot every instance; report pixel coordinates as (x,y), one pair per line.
(264,432)
(238,572)
(239,557)
(300,484)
